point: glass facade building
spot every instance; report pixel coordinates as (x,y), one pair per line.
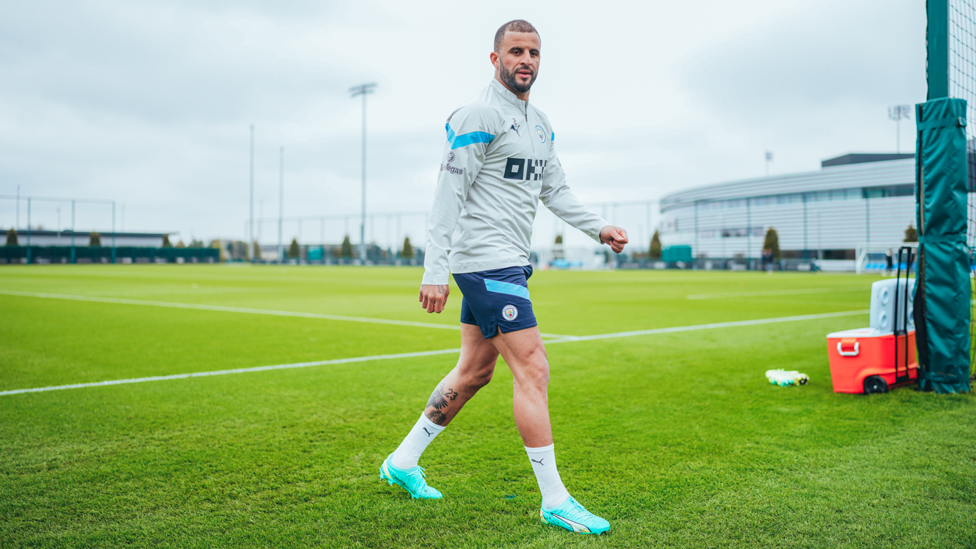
(825,214)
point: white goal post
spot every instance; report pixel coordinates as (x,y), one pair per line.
(871,259)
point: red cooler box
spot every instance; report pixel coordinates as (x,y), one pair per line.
(863,360)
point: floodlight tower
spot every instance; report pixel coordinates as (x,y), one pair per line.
(363,90)
(250,223)
(899,113)
(281,202)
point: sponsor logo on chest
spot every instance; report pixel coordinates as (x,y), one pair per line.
(524,169)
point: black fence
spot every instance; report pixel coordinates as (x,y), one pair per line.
(103,254)
(722,264)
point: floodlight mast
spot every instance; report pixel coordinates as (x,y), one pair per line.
(899,113)
(250,224)
(363,90)
(281,202)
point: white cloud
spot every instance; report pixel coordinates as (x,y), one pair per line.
(150,103)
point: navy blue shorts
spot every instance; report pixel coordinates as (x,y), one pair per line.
(495,299)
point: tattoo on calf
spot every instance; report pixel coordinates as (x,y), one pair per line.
(437,417)
(440,399)
(437,399)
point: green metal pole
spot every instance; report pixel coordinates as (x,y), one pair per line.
(73,258)
(748,235)
(867,219)
(805,225)
(113,232)
(937,48)
(28,231)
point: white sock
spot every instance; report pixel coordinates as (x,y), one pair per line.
(408,453)
(550,485)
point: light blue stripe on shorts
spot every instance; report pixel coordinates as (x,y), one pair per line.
(500,287)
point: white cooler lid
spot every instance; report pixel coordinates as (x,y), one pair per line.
(858,332)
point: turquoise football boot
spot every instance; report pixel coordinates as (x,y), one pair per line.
(574,517)
(411,480)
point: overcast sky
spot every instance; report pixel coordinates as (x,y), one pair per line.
(149,103)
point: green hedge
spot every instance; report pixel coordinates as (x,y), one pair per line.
(103,254)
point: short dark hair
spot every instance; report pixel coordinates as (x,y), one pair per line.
(515,25)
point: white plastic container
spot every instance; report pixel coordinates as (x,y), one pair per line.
(883,313)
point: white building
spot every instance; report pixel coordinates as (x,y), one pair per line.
(46,237)
(854,201)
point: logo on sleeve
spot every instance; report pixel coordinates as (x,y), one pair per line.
(542,133)
(522,169)
(447,167)
(510,313)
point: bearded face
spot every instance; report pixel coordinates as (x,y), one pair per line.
(517,61)
(520,79)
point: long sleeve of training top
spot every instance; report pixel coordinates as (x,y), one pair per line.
(561,201)
(464,155)
(498,163)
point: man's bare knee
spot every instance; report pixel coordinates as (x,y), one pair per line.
(534,374)
(482,378)
(476,378)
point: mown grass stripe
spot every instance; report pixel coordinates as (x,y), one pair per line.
(221,308)
(709,326)
(232,371)
(774,293)
(246,310)
(564,339)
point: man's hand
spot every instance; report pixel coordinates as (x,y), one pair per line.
(615,237)
(433,297)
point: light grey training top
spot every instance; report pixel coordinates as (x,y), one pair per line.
(499,162)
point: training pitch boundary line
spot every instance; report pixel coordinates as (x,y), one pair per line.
(245,310)
(565,339)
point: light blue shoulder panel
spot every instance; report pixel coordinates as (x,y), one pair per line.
(466,139)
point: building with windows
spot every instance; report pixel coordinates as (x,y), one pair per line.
(856,201)
(44,237)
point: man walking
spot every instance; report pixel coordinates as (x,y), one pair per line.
(499,162)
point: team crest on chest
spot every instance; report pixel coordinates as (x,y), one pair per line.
(542,133)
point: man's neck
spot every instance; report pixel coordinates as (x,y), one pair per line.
(522,96)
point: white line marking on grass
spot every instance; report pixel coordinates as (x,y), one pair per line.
(221,308)
(709,326)
(565,339)
(774,292)
(245,310)
(234,371)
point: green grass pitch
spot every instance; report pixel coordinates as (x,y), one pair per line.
(676,438)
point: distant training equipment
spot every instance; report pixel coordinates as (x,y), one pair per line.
(784,378)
